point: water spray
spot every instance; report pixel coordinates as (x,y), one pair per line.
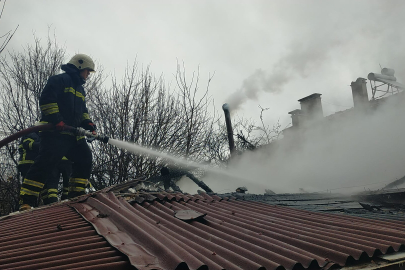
(137,149)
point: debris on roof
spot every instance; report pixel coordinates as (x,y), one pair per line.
(241,190)
(189,215)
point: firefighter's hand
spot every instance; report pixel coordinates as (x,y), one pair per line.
(60,126)
(91,139)
(90,127)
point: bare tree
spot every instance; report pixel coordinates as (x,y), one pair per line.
(251,136)
(142,110)
(248,137)
(23,75)
(8,35)
(194,114)
(217,150)
(135,110)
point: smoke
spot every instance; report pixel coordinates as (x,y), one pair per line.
(348,152)
(324,36)
(300,61)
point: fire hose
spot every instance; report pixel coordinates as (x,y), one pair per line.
(77,131)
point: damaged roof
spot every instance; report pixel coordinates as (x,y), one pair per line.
(382,205)
(162,230)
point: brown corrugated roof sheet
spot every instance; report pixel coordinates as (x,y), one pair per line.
(55,237)
(178,231)
(237,234)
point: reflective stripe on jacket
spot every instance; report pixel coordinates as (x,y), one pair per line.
(28,148)
(64,99)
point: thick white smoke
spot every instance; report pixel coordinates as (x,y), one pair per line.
(349,152)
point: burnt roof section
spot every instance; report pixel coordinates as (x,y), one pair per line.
(315,95)
(335,203)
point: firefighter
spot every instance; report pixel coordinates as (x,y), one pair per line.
(62,103)
(28,150)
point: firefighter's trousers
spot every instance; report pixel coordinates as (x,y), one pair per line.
(54,146)
(50,192)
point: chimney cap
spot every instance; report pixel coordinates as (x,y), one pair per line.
(315,95)
(359,79)
(297,111)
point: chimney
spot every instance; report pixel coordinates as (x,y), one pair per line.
(228,122)
(311,107)
(359,92)
(296,117)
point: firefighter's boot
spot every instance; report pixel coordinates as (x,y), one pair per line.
(29,193)
(65,193)
(27,202)
(52,196)
(24,207)
(77,187)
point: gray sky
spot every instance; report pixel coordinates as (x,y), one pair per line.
(267,53)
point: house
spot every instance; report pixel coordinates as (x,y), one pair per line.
(127,227)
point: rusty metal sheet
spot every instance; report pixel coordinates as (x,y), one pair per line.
(248,234)
(233,234)
(55,237)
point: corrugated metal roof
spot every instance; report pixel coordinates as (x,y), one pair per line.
(332,203)
(178,231)
(234,234)
(55,237)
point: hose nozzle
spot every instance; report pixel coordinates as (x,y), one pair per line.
(82,132)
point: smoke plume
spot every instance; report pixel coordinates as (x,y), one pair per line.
(299,62)
(325,35)
(348,152)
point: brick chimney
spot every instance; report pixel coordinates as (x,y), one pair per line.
(296,117)
(311,107)
(359,92)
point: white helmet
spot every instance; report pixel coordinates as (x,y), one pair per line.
(82,61)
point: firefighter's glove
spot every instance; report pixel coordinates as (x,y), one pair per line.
(61,126)
(90,126)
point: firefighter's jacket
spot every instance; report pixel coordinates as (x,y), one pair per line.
(28,148)
(63,99)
